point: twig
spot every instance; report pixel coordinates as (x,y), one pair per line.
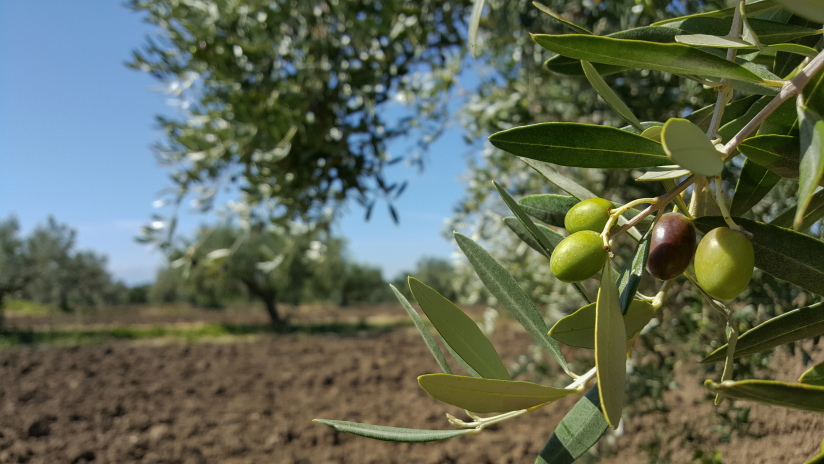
(790,89)
(660,203)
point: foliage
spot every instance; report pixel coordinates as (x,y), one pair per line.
(285,99)
(711,149)
(46,268)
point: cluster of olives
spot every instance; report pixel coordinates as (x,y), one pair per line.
(724,259)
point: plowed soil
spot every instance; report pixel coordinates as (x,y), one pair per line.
(254,401)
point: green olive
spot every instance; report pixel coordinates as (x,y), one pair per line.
(578,257)
(589,214)
(724,263)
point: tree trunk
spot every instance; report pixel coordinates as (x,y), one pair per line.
(272,310)
(269,299)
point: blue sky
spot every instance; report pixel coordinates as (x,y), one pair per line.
(76,125)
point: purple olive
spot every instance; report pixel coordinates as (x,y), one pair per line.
(672,246)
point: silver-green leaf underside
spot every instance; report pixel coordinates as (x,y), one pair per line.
(610,348)
(394,434)
(427,336)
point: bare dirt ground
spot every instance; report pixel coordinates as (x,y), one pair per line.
(254,401)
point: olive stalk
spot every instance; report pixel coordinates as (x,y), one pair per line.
(479,423)
(658,204)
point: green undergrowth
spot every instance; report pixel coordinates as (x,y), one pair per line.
(12,337)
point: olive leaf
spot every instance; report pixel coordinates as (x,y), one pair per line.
(809,9)
(813,375)
(669,57)
(754,183)
(509,294)
(561,19)
(459,331)
(474,22)
(580,428)
(394,434)
(488,395)
(778,153)
(427,336)
(609,96)
(688,146)
(633,272)
(811,169)
(578,328)
(663,172)
(581,145)
(788,395)
(703,117)
(798,324)
(753,9)
(610,348)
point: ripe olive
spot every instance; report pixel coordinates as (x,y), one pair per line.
(671,247)
(724,263)
(578,257)
(589,214)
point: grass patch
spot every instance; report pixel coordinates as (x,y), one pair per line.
(26,308)
(193,333)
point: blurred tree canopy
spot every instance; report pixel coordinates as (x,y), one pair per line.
(284,98)
(47,268)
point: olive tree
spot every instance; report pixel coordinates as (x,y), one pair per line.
(764,62)
(285,99)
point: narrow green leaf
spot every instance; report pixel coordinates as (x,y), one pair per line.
(610,348)
(581,145)
(753,9)
(778,153)
(509,294)
(474,22)
(747,33)
(570,66)
(554,238)
(578,329)
(524,218)
(459,331)
(782,253)
(522,232)
(609,96)
(809,9)
(814,93)
(813,375)
(653,133)
(549,208)
(552,209)
(581,428)
(663,172)
(488,395)
(788,395)
(754,183)
(704,40)
(561,19)
(674,58)
(781,121)
(571,187)
(564,183)
(395,434)
(427,336)
(460,361)
(785,63)
(798,324)
(686,144)
(815,211)
(703,117)
(792,48)
(631,276)
(811,168)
